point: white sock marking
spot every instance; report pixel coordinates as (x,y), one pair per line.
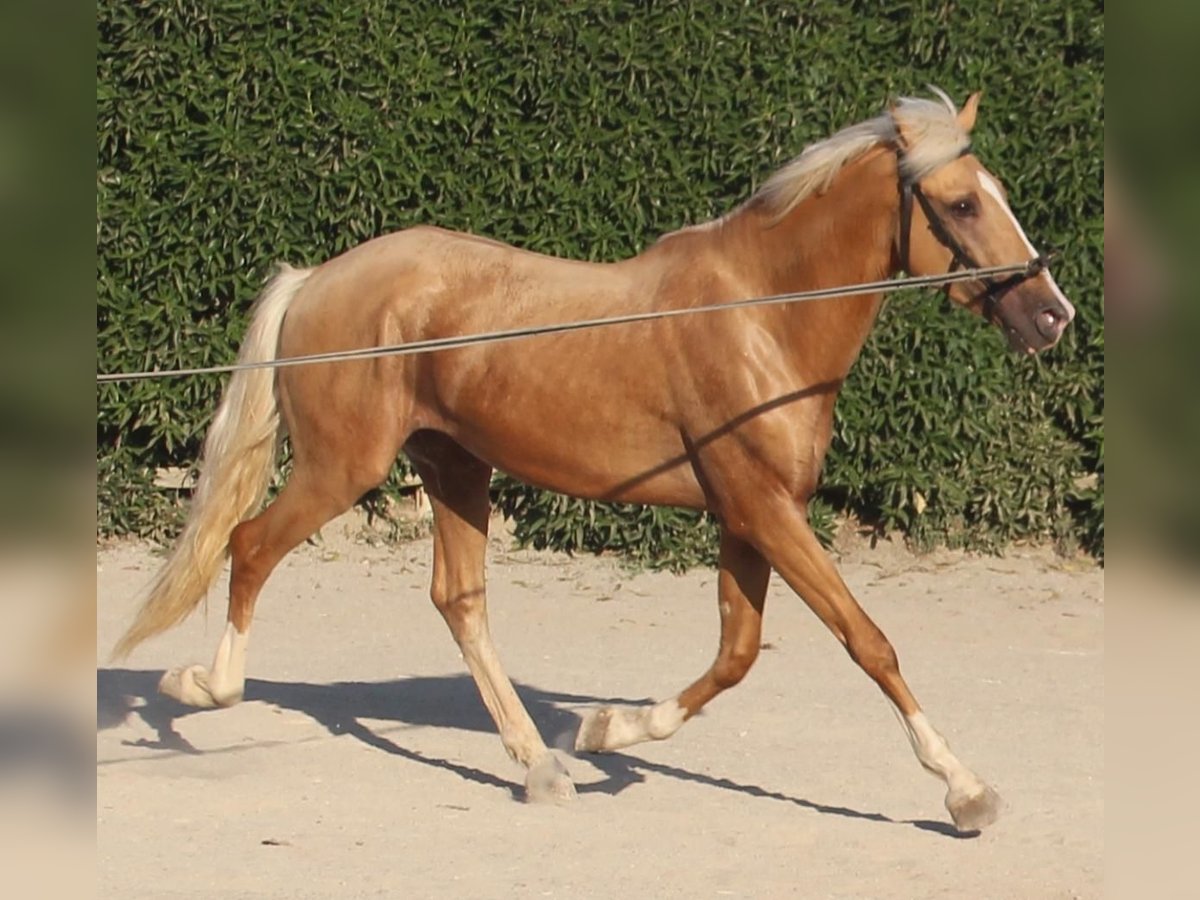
(664,719)
(935,756)
(228,676)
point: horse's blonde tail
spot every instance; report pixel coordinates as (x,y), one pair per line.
(239,457)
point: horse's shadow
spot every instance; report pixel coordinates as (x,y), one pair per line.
(437,701)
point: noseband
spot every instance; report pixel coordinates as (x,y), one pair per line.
(994,288)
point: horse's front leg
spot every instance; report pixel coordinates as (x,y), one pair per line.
(741,592)
(781,532)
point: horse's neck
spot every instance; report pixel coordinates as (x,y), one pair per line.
(843,236)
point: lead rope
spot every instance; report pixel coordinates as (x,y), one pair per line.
(1016,270)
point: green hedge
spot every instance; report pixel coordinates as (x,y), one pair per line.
(230,136)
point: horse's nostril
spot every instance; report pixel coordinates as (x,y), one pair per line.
(1050,322)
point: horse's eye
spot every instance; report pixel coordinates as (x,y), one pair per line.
(964,208)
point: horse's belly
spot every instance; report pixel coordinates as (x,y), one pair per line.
(596,464)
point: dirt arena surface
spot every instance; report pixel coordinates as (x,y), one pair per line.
(362,763)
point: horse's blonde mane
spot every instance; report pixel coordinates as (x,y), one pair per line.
(933,134)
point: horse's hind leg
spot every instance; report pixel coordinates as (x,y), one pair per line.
(457,485)
(741,593)
(313,495)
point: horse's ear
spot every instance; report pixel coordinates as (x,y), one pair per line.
(966,115)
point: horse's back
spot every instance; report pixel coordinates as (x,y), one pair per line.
(428,282)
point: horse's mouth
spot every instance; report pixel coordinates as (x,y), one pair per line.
(1017,342)
(1034,321)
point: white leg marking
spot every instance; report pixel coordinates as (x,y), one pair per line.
(992,188)
(664,719)
(933,753)
(517,731)
(972,804)
(546,779)
(228,678)
(223,686)
(615,727)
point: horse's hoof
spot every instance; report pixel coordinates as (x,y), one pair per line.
(189,685)
(593,730)
(548,781)
(973,810)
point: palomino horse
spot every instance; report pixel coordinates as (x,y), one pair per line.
(728,411)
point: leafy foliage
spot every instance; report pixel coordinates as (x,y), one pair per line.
(232,134)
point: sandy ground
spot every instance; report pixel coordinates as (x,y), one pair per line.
(362,763)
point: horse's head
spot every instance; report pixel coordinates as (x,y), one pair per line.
(961,218)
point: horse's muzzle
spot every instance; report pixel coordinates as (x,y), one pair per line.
(1032,319)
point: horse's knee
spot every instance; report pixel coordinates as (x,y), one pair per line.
(732,667)
(873,652)
(439,593)
(459,606)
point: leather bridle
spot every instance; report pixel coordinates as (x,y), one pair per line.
(994,288)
